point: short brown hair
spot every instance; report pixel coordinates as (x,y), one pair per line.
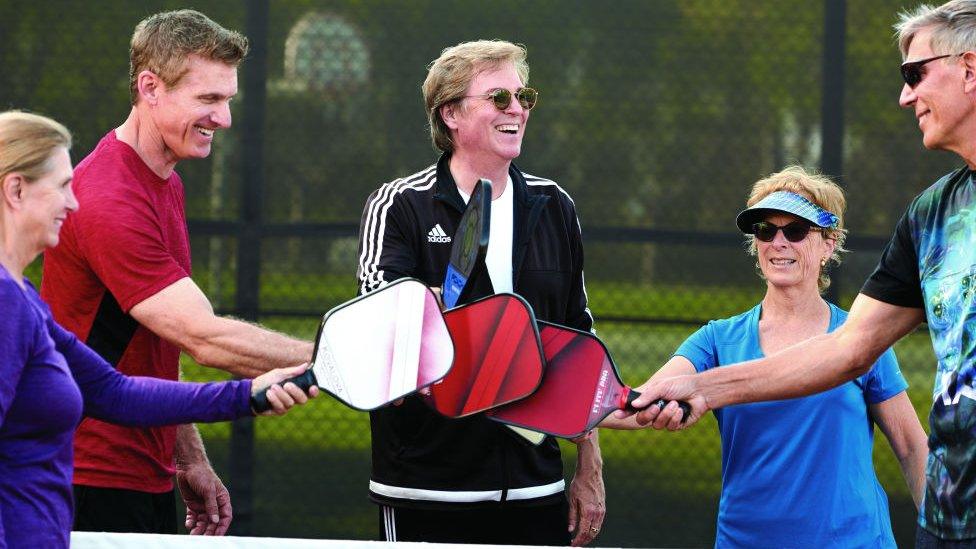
(162,42)
(27,141)
(817,188)
(450,75)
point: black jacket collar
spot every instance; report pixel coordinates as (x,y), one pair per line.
(448,192)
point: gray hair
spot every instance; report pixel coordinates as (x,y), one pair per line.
(953,26)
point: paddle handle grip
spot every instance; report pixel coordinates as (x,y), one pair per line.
(685,407)
(305,381)
(454,283)
(660,403)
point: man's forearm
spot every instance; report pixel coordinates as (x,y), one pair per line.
(189,450)
(810,367)
(588,455)
(181,314)
(247,350)
(816,364)
(208,507)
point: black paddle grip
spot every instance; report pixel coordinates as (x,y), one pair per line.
(660,403)
(685,407)
(305,381)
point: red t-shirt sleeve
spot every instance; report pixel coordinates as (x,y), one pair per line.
(122,237)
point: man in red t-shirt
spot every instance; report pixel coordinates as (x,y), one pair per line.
(120,280)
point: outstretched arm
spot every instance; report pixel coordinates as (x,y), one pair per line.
(181,314)
(815,365)
(144,401)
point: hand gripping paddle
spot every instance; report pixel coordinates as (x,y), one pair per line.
(377,348)
(470,243)
(581,387)
(497,356)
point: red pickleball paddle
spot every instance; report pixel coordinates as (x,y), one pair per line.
(581,387)
(497,356)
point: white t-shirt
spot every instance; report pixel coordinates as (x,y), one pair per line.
(499,256)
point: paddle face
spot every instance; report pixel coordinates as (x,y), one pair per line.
(580,388)
(470,243)
(497,356)
(382,346)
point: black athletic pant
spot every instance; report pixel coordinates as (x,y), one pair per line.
(117,510)
(504,524)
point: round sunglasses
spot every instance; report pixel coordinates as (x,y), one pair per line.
(502,98)
(794,232)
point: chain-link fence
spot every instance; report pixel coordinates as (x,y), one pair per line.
(656,116)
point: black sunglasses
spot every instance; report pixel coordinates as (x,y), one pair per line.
(502,98)
(794,232)
(914,71)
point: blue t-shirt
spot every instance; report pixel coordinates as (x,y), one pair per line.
(930,264)
(798,472)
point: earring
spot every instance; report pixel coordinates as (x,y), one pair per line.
(823,262)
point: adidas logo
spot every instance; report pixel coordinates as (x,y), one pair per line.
(437,234)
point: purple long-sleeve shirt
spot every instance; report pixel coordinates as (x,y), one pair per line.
(48,379)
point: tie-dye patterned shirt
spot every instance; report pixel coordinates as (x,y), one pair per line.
(930,263)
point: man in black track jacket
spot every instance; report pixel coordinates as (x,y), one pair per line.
(473,480)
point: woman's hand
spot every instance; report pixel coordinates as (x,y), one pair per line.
(282,398)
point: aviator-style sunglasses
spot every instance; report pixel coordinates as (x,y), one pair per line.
(914,71)
(794,232)
(502,98)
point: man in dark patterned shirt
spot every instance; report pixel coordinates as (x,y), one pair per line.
(927,273)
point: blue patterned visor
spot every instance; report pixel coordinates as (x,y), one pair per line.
(785,201)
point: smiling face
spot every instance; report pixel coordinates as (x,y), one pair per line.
(787,264)
(944,111)
(478,128)
(187,114)
(47,201)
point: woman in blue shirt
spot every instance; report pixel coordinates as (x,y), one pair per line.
(798,472)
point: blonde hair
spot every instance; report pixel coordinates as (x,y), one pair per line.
(162,42)
(449,76)
(953,27)
(817,188)
(27,141)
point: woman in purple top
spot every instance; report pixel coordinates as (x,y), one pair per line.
(48,378)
